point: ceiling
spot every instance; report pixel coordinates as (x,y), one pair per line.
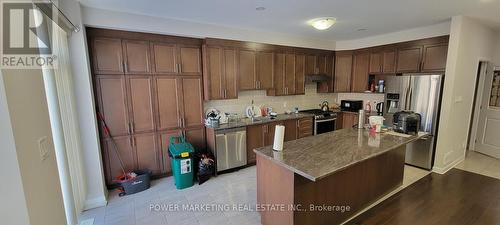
(291,16)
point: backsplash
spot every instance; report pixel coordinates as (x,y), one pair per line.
(280,104)
(373,98)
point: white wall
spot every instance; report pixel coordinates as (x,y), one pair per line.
(496,51)
(470,42)
(16,211)
(133,22)
(29,117)
(400,36)
(96,192)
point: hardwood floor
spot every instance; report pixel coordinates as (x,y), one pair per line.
(458,197)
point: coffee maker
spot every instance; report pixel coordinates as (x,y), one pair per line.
(392,102)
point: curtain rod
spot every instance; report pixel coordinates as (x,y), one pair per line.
(62,20)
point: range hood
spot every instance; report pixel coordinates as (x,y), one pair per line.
(320,77)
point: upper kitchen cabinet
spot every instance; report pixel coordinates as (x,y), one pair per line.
(165,58)
(265,70)
(220,72)
(107,55)
(409,59)
(285,82)
(190,60)
(173,59)
(300,74)
(325,67)
(434,58)
(192,99)
(137,57)
(360,71)
(427,55)
(383,61)
(248,70)
(343,71)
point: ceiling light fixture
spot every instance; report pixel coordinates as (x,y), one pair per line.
(323,23)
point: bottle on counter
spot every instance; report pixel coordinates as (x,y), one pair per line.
(368,107)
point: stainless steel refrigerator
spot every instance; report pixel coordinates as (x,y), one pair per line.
(420,94)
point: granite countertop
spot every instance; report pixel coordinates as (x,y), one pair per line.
(316,157)
(260,120)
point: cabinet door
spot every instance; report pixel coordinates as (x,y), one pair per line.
(304,127)
(265,70)
(375,62)
(290,74)
(408,59)
(148,153)
(190,60)
(213,77)
(164,142)
(325,64)
(389,61)
(164,58)
(112,100)
(196,137)
(360,72)
(111,160)
(300,75)
(137,57)
(290,129)
(107,56)
(279,75)
(141,103)
(435,57)
(343,70)
(247,77)
(349,120)
(311,64)
(168,103)
(254,140)
(269,130)
(192,102)
(230,74)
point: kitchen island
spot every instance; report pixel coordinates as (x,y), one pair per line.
(325,179)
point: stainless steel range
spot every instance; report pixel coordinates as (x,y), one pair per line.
(324,121)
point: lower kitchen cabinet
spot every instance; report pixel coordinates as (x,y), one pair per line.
(196,136)
(164,139)
(304,127)
(255,139)
(349,120)
(261,135)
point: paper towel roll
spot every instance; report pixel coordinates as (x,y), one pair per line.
(279,137)
(361,119)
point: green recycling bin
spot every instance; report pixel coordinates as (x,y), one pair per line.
(181,154)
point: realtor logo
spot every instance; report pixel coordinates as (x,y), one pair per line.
(26,35)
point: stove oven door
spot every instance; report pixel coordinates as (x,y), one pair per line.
(324,125)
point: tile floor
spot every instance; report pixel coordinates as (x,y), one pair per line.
(227,189)
(481,164)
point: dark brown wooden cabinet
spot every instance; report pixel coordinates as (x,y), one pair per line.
(349,120)
(434,58)
(220,73)
(300,74)
(248,70)
(343,71)
(289,74)
(325,66)
(409,59)
(389,61)
(304,127)
(360,71)
(107,55)
(255,139)
(291,129)
(112,103)
(376,60)
(141,100)
(147,91)
(265,70)
(137,57)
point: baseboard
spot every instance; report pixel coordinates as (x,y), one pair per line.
(443,170)
(95,203)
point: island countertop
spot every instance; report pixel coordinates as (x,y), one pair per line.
(316,157)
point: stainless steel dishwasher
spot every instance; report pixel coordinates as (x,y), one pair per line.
(231,145)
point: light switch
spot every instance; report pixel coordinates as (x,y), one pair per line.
(43,147)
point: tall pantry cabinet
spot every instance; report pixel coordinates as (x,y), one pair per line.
(147,88)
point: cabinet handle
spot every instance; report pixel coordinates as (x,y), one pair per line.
(179,122)
(183,122)
(132,126)
(179,68)
(422,65)
(133,141)
(225,93)
(128,128)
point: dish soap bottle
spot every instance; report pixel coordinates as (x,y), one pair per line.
(368,107)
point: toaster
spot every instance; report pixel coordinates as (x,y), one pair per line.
(406,122)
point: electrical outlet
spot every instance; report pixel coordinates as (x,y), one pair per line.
(43,147)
